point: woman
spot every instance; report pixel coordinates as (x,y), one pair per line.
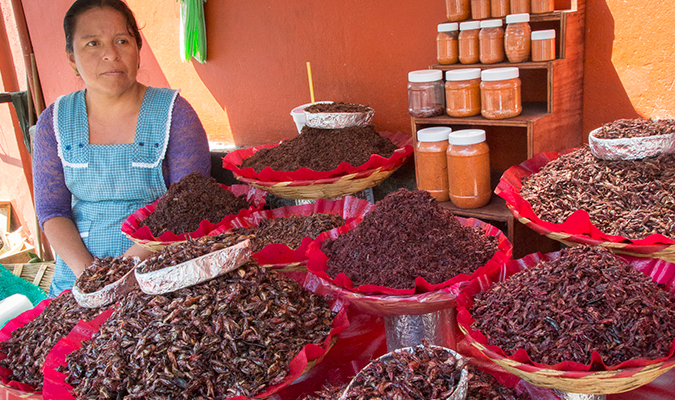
(105,151)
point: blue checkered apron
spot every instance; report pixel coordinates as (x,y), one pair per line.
(109,182)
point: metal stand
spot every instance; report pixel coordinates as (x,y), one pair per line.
(437,328)
(577,396)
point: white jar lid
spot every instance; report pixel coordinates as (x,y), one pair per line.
(491,23)
(499,74)
(425,75)
(467,136)
(469,25)
(433,134)
(448,27)
(462,74)
(515,18)
(541,35)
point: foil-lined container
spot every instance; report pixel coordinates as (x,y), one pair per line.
(436,328)
(338,120)
(195,271)
(110,293)
(461,389)
(577,396)
(635,148)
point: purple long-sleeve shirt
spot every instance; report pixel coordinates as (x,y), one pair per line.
(188,151)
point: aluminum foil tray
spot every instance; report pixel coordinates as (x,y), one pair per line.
(338,120)
(109,293)
(635,148)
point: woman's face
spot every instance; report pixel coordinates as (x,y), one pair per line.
(104,52)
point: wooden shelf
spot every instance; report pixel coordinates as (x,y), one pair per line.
(531,112)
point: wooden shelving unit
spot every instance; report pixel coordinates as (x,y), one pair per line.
(551,119)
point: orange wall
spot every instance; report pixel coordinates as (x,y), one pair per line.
(630,61)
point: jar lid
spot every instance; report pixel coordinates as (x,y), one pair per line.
(448,27)
(491,23)
(467,26)
(515,18)
(433,134)
(499,74)
(541,35)
(425,75)
(462,74)
(467,136)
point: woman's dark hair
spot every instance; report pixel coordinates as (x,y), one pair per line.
(81,6)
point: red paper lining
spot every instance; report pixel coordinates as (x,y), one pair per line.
(351,209)
(317,264)
(660,271)
(578,225)
(55,387)
(234,159)
(130,227)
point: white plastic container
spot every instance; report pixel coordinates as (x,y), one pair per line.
(298,114)
(12,306)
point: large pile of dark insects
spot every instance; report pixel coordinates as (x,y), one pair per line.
(484,386)
(291,230)
(339,107)
(29,345)
(189,250)
(583,301)
(633,199)
(407,235)
(104,271)
(322,150)
(639,127)
(231,336)
(188,202)
(427,373)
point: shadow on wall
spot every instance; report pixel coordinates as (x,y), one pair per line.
(605,98)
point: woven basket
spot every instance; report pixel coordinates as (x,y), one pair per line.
(584,382)
(324,188)
(151,245)
(39,274)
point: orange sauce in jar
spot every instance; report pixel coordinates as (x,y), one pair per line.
(458,10)
(431,164)
(517,37)
(469,47)
(462,92)
(520,6)
(542,6)
(468,168)
(447,40)
(543,45)
(500,93)
(480,9)
(491,41)
(500,8)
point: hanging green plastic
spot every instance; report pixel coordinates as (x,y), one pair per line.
(193,30)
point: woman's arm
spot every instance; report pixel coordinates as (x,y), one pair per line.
(188,149)
(53,199)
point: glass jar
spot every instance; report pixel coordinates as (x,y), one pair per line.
(469,50)
(458,10)
(447,51)
(462,92)
(480,9)
(517,37)
(520,6)
(542,6)
(543,45)
(431,163)
(425,93)
(500,93)
(491,41)
(500,8)
(468,168)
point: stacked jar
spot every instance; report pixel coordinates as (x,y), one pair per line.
(517,37)
(469,42)
(543,45)
(462,92)
(491,40)
(542,6)
(500,93)
(426,96)
(431,164)
(458,10)
(480,9)
(468,163)
(446,43)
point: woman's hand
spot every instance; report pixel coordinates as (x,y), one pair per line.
(137,251)
(65,239)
